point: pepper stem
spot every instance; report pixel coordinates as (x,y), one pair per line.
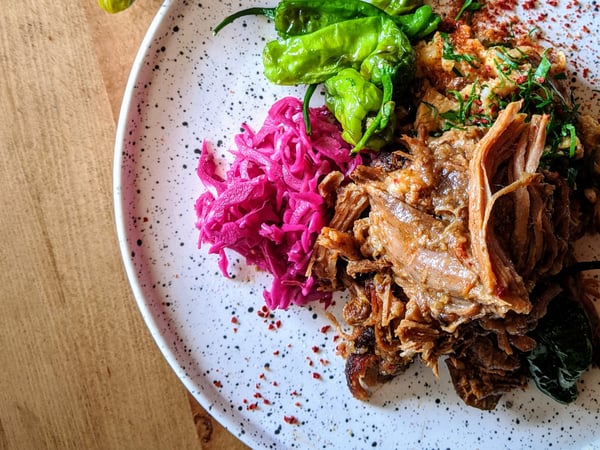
(306,107)
(267,12)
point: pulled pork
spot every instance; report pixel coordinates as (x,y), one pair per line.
(448,245)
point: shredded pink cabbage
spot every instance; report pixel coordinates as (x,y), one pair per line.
(268,208)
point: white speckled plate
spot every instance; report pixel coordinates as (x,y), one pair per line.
(254,373)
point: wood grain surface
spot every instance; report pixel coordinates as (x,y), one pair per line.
(79,368)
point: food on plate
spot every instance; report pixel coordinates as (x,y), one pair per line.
(340,43)
(298,17)
(453,236)
(267,206)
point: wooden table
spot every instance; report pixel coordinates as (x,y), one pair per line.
(79,368)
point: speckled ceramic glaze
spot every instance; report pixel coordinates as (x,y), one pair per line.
(273,378)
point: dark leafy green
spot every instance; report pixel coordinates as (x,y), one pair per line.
(564,349)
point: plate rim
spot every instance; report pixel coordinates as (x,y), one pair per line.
(127,111)
(119,209)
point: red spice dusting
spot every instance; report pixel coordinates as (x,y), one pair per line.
(257,385)
(234,319)
(316,375)
(218,384)
(325,328)
(323,361)
(271,326)
(252,406)
(262,376)
(266,401)
(276,353)
(291,420)
(295,393)
(552,2)
(298,404)
(585,29)
(315,349)
(310,363)
(244,401)
(278,323)
(257,395)
(263,312)
(507,5)
(529,4)
(275,383)
(235,330)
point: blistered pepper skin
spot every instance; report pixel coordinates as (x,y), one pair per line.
(298,17)
(315,57)
(397,7)
(351,98)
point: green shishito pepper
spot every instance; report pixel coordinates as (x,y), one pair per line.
(351,98)
(298,17)
(373,46)
(319,39)
(315,57)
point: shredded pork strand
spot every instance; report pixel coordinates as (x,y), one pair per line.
(494,268)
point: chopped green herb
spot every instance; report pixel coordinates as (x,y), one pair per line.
(540,95)
(449,53)
(465,114)
(508,61)
(569,130)
(541,73)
